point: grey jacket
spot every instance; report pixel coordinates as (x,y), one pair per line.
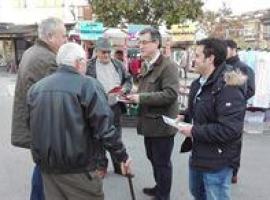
(158,89)
(36,63)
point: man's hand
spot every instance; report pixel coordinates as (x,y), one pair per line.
(186,130)
(125,167)
(101,173)
(180,118)
(133,98)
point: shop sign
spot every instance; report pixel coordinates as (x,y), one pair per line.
(90,30)
(183,32)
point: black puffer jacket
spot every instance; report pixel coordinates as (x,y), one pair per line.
(68,115)
(217,113)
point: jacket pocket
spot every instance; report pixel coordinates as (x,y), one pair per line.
(153,125)
(151,84)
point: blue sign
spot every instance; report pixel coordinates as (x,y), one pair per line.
(134,29)
(90,30)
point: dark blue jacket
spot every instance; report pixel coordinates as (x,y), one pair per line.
(217,113)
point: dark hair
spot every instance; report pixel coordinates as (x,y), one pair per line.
(155,34)
(231,44)
(216,47)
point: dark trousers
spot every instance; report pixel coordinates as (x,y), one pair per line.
(158,151)
(37,192)
(116,109)
(237,159)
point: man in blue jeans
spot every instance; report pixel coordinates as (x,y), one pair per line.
(216,110)
(37,62)
(37,192)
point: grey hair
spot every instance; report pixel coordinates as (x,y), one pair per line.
(69,53)
(48,27)
(155,34)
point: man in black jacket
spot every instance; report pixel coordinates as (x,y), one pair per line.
(236,63)
(69,115)
(249,87)
(116,81)
(216,110)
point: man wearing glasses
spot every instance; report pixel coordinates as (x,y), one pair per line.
(116,81)
(157,96)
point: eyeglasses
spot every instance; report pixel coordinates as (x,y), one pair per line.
(144,42)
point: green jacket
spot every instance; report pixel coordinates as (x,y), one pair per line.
(158,89)
(37,62)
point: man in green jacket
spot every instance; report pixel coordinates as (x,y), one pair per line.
(157,96)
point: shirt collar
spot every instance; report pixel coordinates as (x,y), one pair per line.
(203,80)
(153,60)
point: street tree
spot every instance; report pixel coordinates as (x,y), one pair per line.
(152,12)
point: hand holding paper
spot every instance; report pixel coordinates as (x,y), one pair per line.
(183,127)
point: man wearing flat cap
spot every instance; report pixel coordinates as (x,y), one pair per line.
(116,81)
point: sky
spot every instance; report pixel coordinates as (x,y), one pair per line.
(237,6)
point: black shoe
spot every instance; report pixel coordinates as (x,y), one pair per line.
(234,179)
(117,169)
(118,172)
(149,191)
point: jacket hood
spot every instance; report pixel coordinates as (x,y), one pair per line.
(235,78)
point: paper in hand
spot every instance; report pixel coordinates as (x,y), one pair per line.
(174,122)
(116,90)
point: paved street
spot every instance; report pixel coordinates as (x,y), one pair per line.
(16,164)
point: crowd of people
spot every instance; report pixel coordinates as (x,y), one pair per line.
(67,111)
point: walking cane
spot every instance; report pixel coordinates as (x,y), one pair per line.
(130,183)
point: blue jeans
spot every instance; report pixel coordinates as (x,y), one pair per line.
(37,192)
(211,185)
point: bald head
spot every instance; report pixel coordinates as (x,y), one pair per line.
(72,54)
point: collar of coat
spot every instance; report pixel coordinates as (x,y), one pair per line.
(44,44)
(67,68)
(224,75)
(157,63)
